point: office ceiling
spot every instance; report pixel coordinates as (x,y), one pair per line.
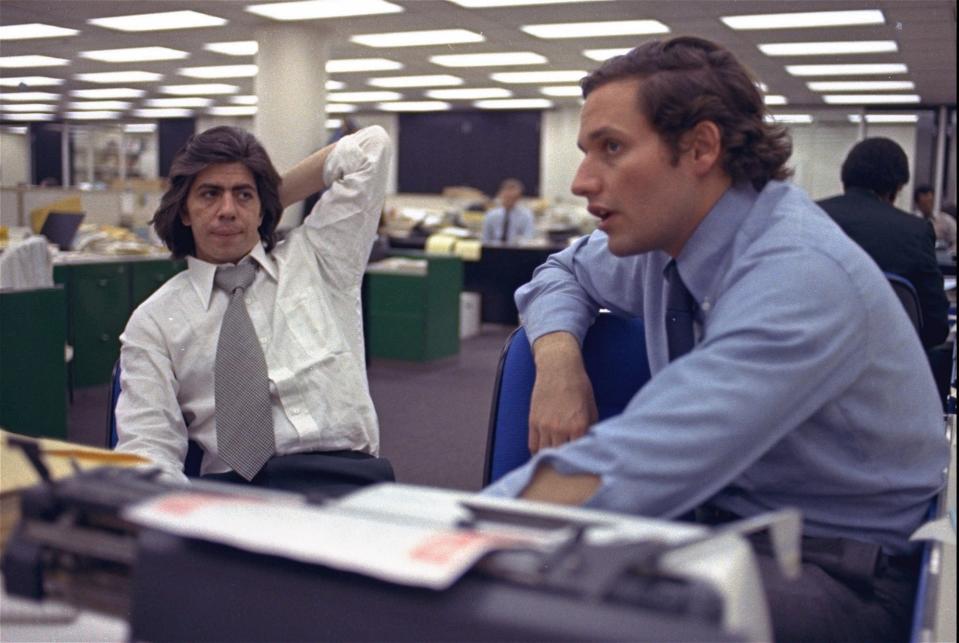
(925,31)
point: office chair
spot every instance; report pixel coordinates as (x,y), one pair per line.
(907,294)
(614,353)
(194,454)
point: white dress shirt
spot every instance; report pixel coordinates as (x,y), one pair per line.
(305,306)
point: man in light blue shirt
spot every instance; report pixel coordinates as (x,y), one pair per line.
(803,383)
(510,222)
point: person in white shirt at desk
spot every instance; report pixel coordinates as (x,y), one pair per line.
(222,208)
(511,222)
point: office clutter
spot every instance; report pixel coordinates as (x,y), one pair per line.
(429,563)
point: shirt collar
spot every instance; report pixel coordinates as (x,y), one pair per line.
(701,260)
(202,272)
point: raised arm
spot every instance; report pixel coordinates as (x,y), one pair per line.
(305,178)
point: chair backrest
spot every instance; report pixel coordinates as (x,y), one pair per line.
(614,353)
(907,294)
(194,454)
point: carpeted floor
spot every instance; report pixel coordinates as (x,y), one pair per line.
(433,416)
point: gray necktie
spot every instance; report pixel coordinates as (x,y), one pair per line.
(506,212)
(680,313)
(244,418)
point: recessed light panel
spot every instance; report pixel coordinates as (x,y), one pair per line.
(112,105)
(232,110)
(596,29)
(885,118)
(798,119)
(163,113)
(12,62)
(120,77)
(478,4)
(187,101)
(340,108)
(562,90)
(24,96)
(829,48)
(30,81)
(564,76)
(317,9)
(860,85)
(469,94)
(159,21)
(235,48)
(364,97)
(514,103)
(113,92)
(348,65)
(605,54)
(434,80)
(334,85)
(28,107)
(774,99)
(418,38)
(140,128)
(92,116)
(34,30)
(414,106)
(207,89)
(498,59)
(28,117)
(219,71)
(804,19)
(847,70)
(243,100)
(870,99)
(134,54)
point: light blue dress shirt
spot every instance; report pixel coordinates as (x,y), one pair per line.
(521,225)
(808,386)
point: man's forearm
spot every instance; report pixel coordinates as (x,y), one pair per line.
(547,485)
(305,178)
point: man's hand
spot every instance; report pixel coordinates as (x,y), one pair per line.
(562,407)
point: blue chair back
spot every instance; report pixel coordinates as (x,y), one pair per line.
(907,294)
(614,353)
(194,454)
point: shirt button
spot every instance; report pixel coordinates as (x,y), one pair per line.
(706,306)
(264,340)
(248,300)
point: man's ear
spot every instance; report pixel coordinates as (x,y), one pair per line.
(704,143)
(185,217)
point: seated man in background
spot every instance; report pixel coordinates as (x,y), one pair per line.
(785,373)
(924,201)
(872,176)
(255,351)
(510,222)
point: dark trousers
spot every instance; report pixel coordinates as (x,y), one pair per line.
(848,590)
(318,475)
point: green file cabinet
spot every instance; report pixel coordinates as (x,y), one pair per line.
(414,316)
(33,332)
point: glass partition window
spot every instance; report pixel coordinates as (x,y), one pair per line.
(104,156)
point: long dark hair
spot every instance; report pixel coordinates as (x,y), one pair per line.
(222,144)
(688,80)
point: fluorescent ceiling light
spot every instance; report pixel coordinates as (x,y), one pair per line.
(162,113)
(885,118)
(234,48)
(333,123)
(789,118)
(198,89)
(232,110)
(593,29)
(30,81)
(16,129)
(134,54)
(113,92)
(10,62)
(34,30)
(91,116)
(847,70)
(414,106)
(111,105)
(339,108)
(315,9)
(28,107)
(364,97)
(477,4)
(120,77)
(418,38)
(489,60)
(562,90)
(435,80)
(828,48)
(565,76)
(140,128)
(774,99)
(333,85)
(187,101)
(515,103)
(860,85)
(159,21)
(870,99)
(346,65)
(219,71)
(605,54)
(804,19)
(243,100)
(28,117)
(29,96)
(469,94)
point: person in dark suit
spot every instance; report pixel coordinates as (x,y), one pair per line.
(873,173)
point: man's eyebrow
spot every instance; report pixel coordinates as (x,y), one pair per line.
(594,135)
(220,186)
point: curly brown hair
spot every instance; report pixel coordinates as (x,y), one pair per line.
(687,80)
(216,145)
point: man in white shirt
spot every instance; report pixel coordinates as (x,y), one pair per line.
(510,222)
(222,208)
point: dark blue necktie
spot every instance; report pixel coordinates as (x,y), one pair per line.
(680,313)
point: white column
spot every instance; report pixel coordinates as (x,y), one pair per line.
(291,96)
